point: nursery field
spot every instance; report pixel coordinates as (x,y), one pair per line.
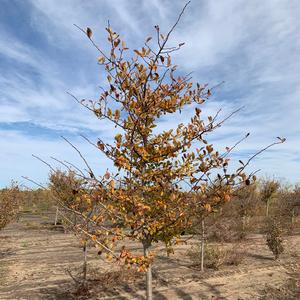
(41,261)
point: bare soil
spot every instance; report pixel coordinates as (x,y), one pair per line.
(35,257)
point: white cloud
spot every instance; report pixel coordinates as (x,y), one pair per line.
(16,159)
(252,45)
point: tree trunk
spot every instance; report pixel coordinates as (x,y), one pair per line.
(202,245)
(293,218)
(84,261)
(56,216)
(267,208)
(243,223)
(75,219)
(148,273)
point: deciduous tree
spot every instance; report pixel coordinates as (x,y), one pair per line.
(9,204)
(161,176)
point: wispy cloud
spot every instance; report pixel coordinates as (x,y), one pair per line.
(252,45)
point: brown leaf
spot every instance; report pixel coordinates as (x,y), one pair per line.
(116,43)
(89,32)
(100,145)
(137,52)
(169,61)
(107,175)
(101,59)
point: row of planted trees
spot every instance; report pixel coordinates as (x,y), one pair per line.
(162,179)
(245,214)
(267,207)
(266,199)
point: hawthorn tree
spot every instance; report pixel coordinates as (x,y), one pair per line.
(162,177)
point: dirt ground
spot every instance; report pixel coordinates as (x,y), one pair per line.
(35,257)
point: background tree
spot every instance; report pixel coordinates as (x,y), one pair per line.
(268,191)
(245,205)
(287,206)
(294,204)
(76,206)
(9,204)
(37,200)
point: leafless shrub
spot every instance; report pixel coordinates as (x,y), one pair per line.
(99,282)
(235,255)
(117,277)
(222,231)
(214,256)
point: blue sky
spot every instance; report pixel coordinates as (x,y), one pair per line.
(253,46)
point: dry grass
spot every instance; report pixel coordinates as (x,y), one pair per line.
(216,255)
